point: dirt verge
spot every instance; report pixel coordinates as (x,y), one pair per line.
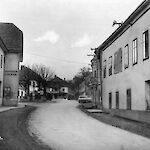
(139,128)
(13,129)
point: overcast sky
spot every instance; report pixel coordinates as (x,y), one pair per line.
(60,33)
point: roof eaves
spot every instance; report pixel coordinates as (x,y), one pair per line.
(3,46)
(128,22)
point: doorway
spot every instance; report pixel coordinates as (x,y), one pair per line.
(129,99)
(110,100)
(117,100)
(147,94)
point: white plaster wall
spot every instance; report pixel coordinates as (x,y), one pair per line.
(64,89)
(1,76)
(12,62)
(12,81)
(133,77)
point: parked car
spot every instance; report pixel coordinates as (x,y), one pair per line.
(85,101)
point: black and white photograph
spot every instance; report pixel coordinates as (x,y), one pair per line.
(74,74)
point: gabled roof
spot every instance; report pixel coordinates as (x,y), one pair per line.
(57,82)
(3,46)
(12,38)
(26,74)
(139,12)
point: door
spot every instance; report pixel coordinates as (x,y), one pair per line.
(129,99)
(117,100)
(147,94)
(110,100)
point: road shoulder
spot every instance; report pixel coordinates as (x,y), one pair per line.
(139,128)
(13,129)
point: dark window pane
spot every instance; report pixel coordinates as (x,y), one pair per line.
(129,99)
(117,100)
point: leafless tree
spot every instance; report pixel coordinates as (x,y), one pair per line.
(82,76)
(45,72)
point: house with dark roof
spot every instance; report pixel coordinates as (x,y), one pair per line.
(30,84)
(59,88)
(125,67)
(11,53)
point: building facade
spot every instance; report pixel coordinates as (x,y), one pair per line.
(2,54)
(125,69)
(96,79)
(59,88)
(11,53)
(30,84)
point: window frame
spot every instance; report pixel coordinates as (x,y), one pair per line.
(126,56)
(110,65)
(145,44)
(104,69)
(1,61)
(135,51)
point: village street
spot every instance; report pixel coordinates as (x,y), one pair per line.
(62,126)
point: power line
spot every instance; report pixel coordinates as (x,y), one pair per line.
(54,58)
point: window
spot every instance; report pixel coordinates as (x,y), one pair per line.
(110,100)
(126,56)
(104,69)
(117,100)
(129,99)
(134,51)
(1,61)
(118,61)
(110,66)
(145,44)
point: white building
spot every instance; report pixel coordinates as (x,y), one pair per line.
(11,53)
(125,59)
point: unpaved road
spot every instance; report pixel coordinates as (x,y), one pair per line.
(63,126)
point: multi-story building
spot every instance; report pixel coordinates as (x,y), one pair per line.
(96,79)
(30,84)
(11,53)
(125,58)
(59,88)
(3,50)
